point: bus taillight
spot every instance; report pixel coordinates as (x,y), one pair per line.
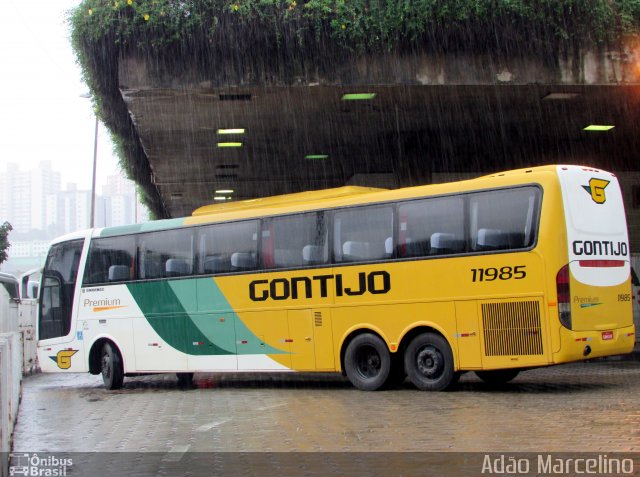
(564,296)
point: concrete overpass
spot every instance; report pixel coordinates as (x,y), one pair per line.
(431,109)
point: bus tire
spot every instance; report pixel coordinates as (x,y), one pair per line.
(497,376)
(367,362)
(185,380)
(111,366)
(428,361)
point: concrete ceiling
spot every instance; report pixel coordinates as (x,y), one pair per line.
(402,136)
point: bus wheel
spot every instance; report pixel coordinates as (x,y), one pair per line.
(112,370)
(499,376)
(185,380)
(429,362)
(367,362)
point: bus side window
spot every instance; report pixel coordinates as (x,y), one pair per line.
(433,226)
(166,254)
(106,253)
(228,247)
(504,219)
(284,240)
(362,233)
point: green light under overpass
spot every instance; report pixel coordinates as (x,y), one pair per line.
(317,156)
(358,96)
(598,127)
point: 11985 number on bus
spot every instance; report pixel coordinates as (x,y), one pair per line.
(503,273)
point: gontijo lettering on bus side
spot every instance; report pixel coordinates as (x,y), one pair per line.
(375,283)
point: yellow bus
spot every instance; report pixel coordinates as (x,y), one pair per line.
(495,275)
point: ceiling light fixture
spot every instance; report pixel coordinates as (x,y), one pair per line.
(552,96)
(358,96)
(598,127)
(317,156)
(229,144)
(231,131)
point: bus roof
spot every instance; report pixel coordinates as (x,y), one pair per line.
(311,200)
(285,199)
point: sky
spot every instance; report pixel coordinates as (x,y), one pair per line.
(43,115)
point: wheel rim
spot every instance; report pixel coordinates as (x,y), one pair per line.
(368,362)
(430,362)
(106,366)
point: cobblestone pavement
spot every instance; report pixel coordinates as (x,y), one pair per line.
(586,407)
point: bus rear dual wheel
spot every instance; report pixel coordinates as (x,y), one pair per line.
(428,362)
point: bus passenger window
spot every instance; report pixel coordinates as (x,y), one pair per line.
(165,254)
(362,233)
(432,226)
(284,240)
(107,253)
(504,219)
(228,247)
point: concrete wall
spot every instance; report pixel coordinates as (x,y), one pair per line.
(17,356)
(10,383)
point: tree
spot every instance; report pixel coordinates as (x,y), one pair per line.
(4,241)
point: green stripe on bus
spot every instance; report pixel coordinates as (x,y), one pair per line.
(145,227)
(171,308)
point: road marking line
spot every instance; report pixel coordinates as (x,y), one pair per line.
(175,453)
(211,425)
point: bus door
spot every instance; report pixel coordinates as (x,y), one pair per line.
(59,346)
(311,340)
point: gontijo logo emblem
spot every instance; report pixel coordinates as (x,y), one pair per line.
(63,358)
(596,189)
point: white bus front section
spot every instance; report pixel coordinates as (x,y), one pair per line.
(64,353)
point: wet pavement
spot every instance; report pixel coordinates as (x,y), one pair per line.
(586,407)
